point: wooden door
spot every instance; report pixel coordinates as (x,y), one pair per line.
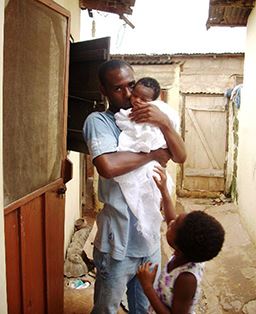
(205,135)
(36,54)
(84,95)
(84,98)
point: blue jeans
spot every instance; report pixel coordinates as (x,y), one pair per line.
(114,277)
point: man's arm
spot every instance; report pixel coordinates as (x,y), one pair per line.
(151,114)
(111,165)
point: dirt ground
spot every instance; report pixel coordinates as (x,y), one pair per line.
(229,282)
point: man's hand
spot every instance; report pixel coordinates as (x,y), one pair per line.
(161,155)
(147,113)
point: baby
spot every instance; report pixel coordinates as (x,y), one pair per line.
(138,186)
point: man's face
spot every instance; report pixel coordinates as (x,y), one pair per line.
(118,87)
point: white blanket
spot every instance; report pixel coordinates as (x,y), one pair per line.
(138,186)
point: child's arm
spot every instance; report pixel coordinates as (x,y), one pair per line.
(160,181)
(146,278)
(183,291)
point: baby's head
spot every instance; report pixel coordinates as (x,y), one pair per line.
(146,89)
(198,236)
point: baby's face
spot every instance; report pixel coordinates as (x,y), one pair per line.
(140,94)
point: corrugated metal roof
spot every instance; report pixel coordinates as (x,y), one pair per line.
(203,93)
(144,58)
(113,6)
(229,12)
(154,59)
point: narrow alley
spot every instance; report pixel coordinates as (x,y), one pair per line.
(229,282)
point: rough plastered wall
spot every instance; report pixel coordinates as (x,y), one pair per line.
(72,208)
(3,298)
(209,73)
(247,130)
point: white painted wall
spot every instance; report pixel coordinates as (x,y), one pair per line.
(3,298)
(247,129)
(73,203)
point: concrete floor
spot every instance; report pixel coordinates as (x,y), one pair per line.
(80,301)
(229,283)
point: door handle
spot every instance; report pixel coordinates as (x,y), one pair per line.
(61,191)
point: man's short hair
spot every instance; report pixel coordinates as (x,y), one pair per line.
(111,65)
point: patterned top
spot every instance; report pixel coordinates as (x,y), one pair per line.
(166,283)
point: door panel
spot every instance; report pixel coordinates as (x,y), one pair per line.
(13,262)
(34,91)
(35,114)
(34,232)
(205,139)
(54,223)
(84,95)
(32,256)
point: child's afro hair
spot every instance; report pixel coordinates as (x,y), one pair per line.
(200,237)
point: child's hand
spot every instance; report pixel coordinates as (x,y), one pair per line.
(145,276)
(161,178)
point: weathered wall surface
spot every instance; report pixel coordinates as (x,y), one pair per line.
(209,73)
(72,206)
(247,130)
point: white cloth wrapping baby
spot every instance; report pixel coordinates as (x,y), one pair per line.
(138,186)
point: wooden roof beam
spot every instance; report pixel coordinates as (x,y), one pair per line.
(117,7)
(233,3)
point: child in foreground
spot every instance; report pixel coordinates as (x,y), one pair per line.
(195,237)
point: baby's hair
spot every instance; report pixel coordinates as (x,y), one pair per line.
(150,83)
(200,237)
(111,65)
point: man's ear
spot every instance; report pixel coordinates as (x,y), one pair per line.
(102,90)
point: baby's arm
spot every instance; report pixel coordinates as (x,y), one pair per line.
(161,182)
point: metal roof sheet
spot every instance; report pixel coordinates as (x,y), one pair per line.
(154,59)
(229,12)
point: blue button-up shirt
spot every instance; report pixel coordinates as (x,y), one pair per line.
(117,233)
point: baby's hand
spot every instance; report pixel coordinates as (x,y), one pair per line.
(161,178)
(145,276)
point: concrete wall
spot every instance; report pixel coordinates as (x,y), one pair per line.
(3,299)
(73,202)
(209,73)
(247,130)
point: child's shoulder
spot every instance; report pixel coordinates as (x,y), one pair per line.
(196,269)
